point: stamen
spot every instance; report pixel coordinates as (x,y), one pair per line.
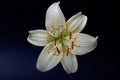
(67,52)
(70,35)
(57,50)
(55,42)
(61,37)
(72,45)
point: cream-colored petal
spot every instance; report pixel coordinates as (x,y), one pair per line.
(69,63)
(38,37)
(83,43)
(49,57)
(55,20)
(77,22)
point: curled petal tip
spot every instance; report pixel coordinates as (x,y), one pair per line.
(29,31)
(58,2)
(96,37)
(80,12)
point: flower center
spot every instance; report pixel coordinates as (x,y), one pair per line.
(67,45)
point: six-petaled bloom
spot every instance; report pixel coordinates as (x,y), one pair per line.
(62,40)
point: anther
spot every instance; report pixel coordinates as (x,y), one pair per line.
(61,37)
(72,45)
(67,52)
(57,50)
(70,35)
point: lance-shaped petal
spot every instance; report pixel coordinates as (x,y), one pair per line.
(76,23)
(84,43)
(69,63)
(38,37)
(55,19)
(49,57)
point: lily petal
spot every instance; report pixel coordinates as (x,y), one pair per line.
(55,19)
(69,63)
(77,22)
(84,43)
(49,57)
(38,37)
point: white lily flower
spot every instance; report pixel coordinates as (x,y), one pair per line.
(62,40)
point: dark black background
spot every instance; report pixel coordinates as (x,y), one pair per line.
(18,57)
